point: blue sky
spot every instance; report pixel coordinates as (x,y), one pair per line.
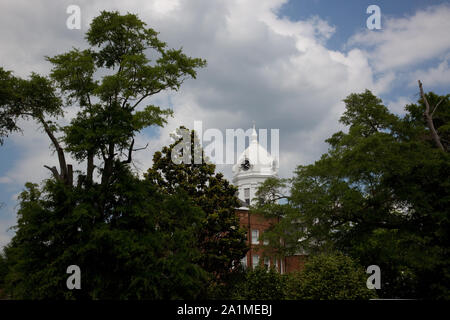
(349,15)
(283,64)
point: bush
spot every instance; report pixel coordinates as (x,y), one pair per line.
(261,284)
(329,277)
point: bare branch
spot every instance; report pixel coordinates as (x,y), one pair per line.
(436,106)
(429,119)
(143,148)
(54,172)
(59,150)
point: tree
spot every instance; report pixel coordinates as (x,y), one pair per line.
(331,276)
(222,241)
(129,239)
(8,86)
(380,195)
(428,115)
(148,250)
(109,118)
(3,273)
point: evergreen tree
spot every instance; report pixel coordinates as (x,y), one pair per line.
(222,241)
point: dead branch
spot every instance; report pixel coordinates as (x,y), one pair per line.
(54,172)
(429,118)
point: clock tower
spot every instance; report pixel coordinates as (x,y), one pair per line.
(253,167)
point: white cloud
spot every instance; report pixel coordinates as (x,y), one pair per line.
(409,40)
(398,105)
(261,67)
(433,76)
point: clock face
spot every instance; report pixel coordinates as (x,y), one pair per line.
(245,165)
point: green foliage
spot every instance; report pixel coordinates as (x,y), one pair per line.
(144,247)
(3,273)
(380,194)
(441,117)
(130,239)
(326,276)
(329,277)
(260,284)
(109,118)
(221,239)
(19,98)
(8,85)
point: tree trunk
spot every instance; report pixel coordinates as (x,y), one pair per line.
(66,173)
(90,168)
(108,167)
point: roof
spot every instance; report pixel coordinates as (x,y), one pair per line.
(260,159)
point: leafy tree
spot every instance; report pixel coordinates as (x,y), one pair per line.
(130,240)
(329,277)
(8,87)
(440,117)
(148,250)
(380,194)
(222,241)
(109,117)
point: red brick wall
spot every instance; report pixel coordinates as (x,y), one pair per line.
(295,263)
(260,223)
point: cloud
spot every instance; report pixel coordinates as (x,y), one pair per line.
(261,67)
(398,105)
(408,40)
(433,76)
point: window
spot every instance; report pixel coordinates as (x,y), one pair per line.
(255,258)
(244,262)
(255,236)
(247,195)
(267,262)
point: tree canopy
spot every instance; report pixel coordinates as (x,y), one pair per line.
(380,194)
(221,238)
(130,239)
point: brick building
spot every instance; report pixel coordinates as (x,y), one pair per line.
(254,166)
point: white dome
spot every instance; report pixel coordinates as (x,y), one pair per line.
(260,164)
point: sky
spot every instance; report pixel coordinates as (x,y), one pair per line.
(281,64)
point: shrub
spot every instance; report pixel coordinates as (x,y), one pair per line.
(261,284)
(329,277)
